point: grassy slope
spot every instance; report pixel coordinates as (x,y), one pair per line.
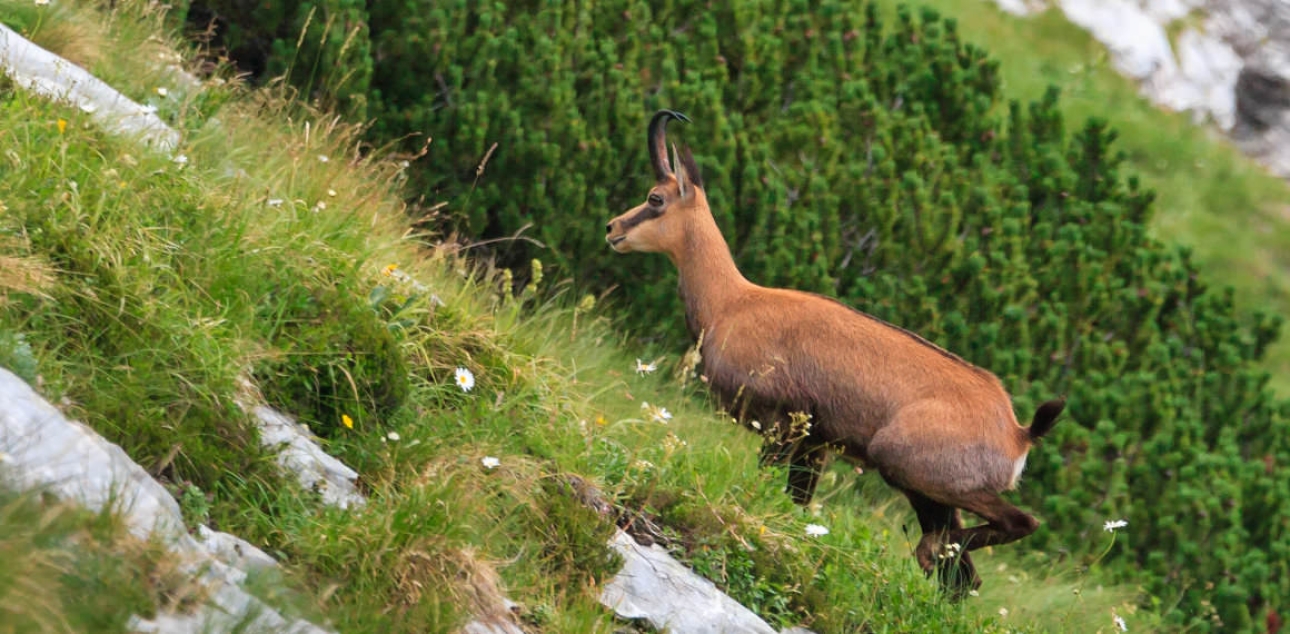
(1212,198)
(147,300)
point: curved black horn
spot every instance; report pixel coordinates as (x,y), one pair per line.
(657,143)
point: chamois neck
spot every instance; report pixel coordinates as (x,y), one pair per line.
(709,277)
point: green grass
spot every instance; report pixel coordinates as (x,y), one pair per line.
(1229,210)
(69,570)
(151,289)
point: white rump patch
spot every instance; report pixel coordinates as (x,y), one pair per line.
(1017,468)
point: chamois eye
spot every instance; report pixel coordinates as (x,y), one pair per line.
(655,200)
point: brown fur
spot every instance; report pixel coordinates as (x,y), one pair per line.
(933,425)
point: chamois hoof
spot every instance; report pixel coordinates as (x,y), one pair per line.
(958,578)
(952,566)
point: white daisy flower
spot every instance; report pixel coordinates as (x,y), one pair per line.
(815,530)
(465,380)
(490,462)
(656,413)
(645,368)
(1114,524)
(394,436)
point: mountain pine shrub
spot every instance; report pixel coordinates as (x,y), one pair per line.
(321,48)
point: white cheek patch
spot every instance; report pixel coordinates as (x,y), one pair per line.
(1017,468)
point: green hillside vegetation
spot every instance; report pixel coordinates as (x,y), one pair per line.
(1224,206)
(873,155)
(139,290)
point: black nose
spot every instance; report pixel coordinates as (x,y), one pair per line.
(609,227)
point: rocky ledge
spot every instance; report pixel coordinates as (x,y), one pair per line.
(1229,62)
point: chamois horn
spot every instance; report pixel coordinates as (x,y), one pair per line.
(657,143)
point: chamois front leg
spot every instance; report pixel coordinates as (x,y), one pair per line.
(805,466)
(774,452)
(936,552)
(777,442)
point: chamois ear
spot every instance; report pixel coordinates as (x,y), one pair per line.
(679,170)
(693,178)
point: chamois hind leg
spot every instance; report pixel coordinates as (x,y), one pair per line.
(954,567)
(1005,523)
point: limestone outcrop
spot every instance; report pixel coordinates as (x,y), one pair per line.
(1228,64)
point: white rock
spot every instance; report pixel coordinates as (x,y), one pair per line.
(1166,11)
(234,550)
(1022,7)
(491,626)
(1139,45)
(299,454)
(45,450)
(1209,70)
(655,587)
(53,77)
(70,460)
(1199,72)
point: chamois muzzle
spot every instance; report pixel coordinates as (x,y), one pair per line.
(658,144)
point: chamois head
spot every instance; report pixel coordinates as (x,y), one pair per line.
(662,220)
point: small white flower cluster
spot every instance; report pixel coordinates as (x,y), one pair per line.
(657,413)
(672,442)
(950,551)
(1114,524)
(490,462)
(815,530)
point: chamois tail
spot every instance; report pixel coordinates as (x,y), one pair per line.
(1046,417)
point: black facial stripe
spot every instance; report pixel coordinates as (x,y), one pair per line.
(648,213)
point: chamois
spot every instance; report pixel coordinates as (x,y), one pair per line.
(934,426)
